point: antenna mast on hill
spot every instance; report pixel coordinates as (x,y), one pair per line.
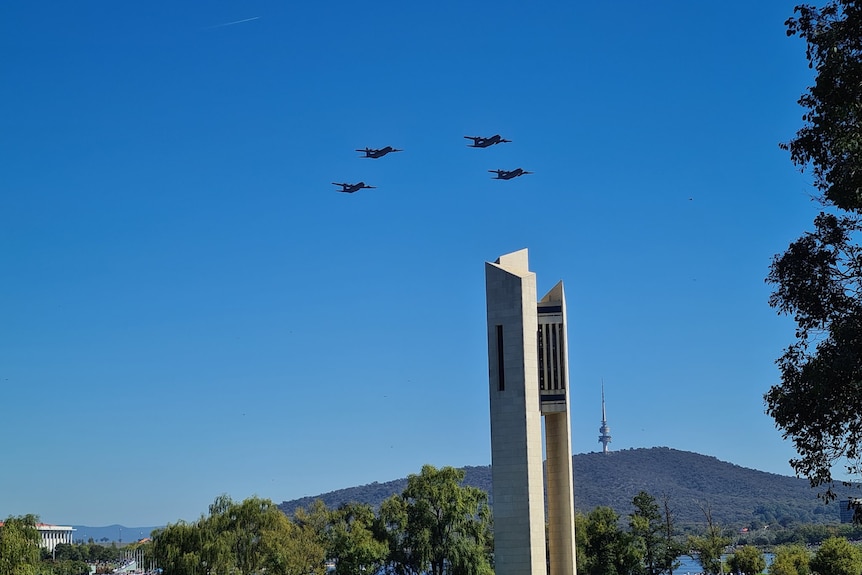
(604,430)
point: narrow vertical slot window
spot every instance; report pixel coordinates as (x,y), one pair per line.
(541,342)
(562,357)
(555,376)
(501,374)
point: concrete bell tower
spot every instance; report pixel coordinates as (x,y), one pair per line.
(529,379)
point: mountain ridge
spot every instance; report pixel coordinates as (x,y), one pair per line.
(111,533)
(693,483)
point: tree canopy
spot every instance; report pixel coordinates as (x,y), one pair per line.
(790,560)
(748,560)
(837,556)
(19,546)
(357,542)
(829,142)
(240,538)
(439,526)
(709,547)
(653,533)
(609,550)
(436,526)
(818,279)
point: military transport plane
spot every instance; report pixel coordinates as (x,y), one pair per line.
(480,142)
(372,153)
(508,174)
(350,188)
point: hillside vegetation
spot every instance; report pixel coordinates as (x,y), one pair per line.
(736,496)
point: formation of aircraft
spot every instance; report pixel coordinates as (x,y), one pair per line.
(508,174)
(478,142)
(369,153)
(377,153)
(350,188)
(482,142)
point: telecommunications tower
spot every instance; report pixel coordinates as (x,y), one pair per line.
(604,430)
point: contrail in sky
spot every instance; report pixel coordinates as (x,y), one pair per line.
(236,22)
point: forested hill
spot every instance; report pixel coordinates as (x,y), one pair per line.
(736,496)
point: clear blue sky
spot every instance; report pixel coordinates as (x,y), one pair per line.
(188,308)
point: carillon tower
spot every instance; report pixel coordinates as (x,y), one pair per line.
(528,371)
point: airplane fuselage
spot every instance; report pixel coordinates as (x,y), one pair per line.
(379,153)
(479,142)
(509,174)
(350,188)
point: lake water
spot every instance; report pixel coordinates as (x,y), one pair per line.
(691,566)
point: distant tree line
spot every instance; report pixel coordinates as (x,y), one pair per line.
(435,526)
(438,526)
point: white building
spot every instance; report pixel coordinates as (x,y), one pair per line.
(52,535)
